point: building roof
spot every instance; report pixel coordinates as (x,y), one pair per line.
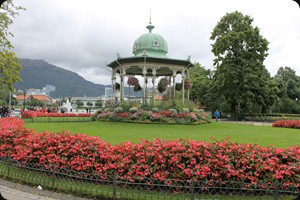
(37,97)
(40,97)
(21,97)
(136,61)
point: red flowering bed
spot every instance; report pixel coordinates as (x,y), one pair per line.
(33,114)
(287,123)
(160,159)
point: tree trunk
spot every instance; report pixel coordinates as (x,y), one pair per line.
(233,112)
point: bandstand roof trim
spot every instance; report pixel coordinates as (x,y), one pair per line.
(134,64)
(149,60)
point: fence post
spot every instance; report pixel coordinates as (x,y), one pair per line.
(114,186)
(8,170)
(276,190)
(192,189)
(53,177)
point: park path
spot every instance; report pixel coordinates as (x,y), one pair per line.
(248,123)
(14,191)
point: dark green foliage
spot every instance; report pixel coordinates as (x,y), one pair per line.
(241,79)
(201,80)
(9,63)
(162,85)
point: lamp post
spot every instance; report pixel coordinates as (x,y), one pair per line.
(24,93)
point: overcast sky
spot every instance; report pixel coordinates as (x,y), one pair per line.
(84,36)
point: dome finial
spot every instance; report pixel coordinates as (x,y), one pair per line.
(150,17)
(150,26)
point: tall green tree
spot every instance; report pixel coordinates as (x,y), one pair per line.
(201,80)
(240,78)
(289,91)
(9,63)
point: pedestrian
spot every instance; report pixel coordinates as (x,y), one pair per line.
(217,115)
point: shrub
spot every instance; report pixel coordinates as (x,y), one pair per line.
(160,159)
(133,109)
(185,110)
(118,110)
(287,123)
(173,111)
(94,116)
(144,116)
(154,110)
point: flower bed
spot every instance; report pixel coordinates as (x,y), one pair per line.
(33,114)
(287,123)
(181,159)
(164,117)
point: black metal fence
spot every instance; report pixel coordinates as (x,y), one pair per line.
(114,187)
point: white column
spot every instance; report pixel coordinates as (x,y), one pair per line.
(153,84)
(174,85)
(122,86)
(183,80)
(113,84)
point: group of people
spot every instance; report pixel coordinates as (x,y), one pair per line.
(4,111)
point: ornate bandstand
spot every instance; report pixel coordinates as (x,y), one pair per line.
(150,62)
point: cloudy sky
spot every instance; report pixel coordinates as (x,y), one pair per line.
(84,36)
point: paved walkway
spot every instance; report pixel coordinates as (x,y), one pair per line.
(248,122)
(14,191)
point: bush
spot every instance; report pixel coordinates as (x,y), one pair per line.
(173,111)
(118,110)
(154,110)
(94,116)
(185,110)
(287,123)
(133,109)
(160,159)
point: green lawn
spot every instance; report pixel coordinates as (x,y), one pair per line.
(116,132)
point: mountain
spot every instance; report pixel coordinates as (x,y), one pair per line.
(38,73)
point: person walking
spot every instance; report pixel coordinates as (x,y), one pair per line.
(217,115)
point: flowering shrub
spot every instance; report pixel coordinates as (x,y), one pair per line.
(29,114)
(132,81)
(162,84)
(164,160)
(154,116)
(287,123)
(33,114)
(187,84)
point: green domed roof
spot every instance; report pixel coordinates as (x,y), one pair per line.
(150,44)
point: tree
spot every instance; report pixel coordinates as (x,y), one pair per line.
(90,104)
(289,91)
(9,63)
(79,103)
(99,103)
(240,78)
(36,102)
(201,80)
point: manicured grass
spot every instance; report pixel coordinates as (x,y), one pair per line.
(117,132)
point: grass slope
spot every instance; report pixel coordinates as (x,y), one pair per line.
(115,132)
